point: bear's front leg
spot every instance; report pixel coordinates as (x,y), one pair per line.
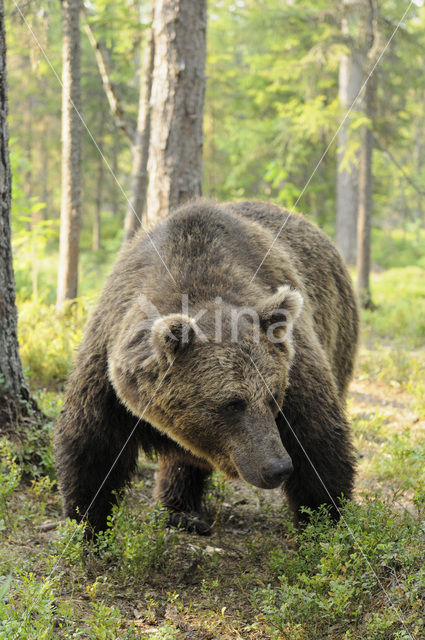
(316,434)
(96,445)
(179,488)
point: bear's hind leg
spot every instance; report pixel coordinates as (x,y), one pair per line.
(179,488)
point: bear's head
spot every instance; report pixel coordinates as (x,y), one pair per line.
(213,381)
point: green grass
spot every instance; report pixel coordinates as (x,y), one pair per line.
(400,318)
(256,577)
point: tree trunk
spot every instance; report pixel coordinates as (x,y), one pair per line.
(28,153)
(419,162)
(140,151)
(115,193)
(350,82)
(364,222)
(44,157)
(178,86)
(365,205)
(71,155)
(14,395)
(96,235)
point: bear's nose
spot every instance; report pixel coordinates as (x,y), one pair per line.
(276,472)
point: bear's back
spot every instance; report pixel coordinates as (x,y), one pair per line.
(240,252)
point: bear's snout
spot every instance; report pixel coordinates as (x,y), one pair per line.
(258,452)
(277,472)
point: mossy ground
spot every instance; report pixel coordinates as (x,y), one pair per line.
(255,577)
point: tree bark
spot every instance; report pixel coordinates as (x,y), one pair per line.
(44,161)
(178,86)
(96,235)
(365,205)
(350,82)
(419,162)
(14,394)
(115,194)
(140,150)
(71,155)
(364,222)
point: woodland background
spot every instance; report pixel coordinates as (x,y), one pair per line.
(280,79)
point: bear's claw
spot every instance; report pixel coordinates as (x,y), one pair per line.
(191,522)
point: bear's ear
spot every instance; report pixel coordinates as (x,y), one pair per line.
(278,313)
(170,335)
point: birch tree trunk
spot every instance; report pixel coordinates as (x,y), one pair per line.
(178,86)
(71,154)
(14,395)
(350,82)
(140,150)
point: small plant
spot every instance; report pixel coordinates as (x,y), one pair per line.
(338,572)
(10,475)
(106,623)
(28,612)
(139,545)
(69,543)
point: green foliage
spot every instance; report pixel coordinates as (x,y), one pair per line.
(402,247)
(270,100)
(30,243)
(10,475)
(69,542)
(339,575)
(400,318)
(28,612)
(47,344)
(139,545)
(35,452)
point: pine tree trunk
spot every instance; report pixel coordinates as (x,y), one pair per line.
(96,235)
(71,154)
(14,393)
(178,86)
(365,206)
(28,151)
(419,163)
(115,193)
(96,229)
(364,222)
(140,151)
(350,82)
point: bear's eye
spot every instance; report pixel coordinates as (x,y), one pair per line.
(235,405)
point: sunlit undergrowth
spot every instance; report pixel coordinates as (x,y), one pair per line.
(400,317)
(47,342)
(362,579)
(255,578)
(402,247)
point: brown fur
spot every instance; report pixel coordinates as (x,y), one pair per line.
(204,405)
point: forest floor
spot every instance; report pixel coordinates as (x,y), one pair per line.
(255,577)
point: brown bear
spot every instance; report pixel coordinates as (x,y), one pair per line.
(217,343)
